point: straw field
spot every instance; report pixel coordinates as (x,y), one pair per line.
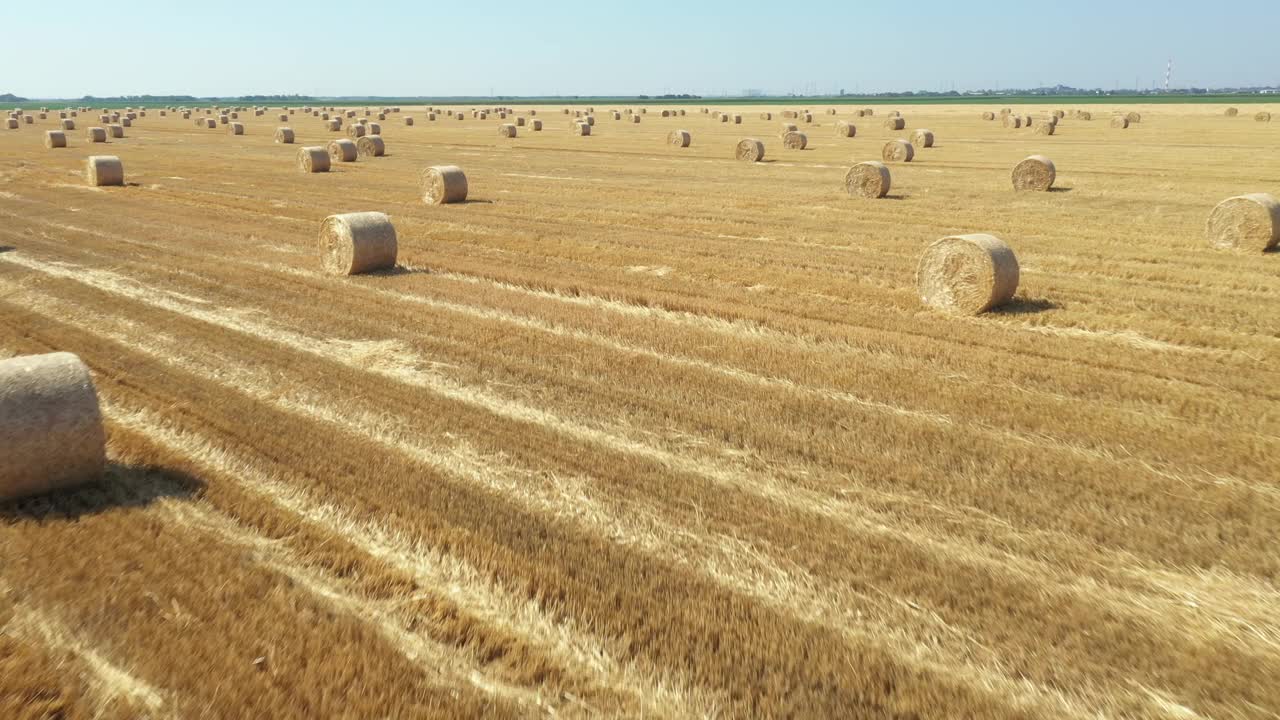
(643,430)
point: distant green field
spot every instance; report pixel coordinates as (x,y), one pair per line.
(619,100)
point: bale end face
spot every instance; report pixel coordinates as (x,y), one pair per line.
(1249,223)
(313,159)
(104,171)
(356,243)
(507,130)
(846,129)
(898,151)
(284,136)
(371,146)
(51,424)
(749,150)
(967,274)
(868,180)
(1036,173)
(55,139)
(444,184)
(922,138)
(342,151)
(795,141)
(679,138)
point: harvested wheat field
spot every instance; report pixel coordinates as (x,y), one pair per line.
(639,429)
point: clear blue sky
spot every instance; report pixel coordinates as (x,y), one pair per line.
(539,47)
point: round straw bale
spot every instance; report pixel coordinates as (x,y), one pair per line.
(356,243)
(679,138)
(1012,121)
(1035,173)
(1133,118)
(96,135)
(1119,121)
(382,116)
(334,125)
(1232,112)
(967,274)
(831,111)
(846,129)
(988,115)
(766,116)
(520,121)
(431,117)
(373,128)
(283,117)
(898,151)
(749,150)
(342,150)
(579,128)
(894,123)
(236,128)
(461,116)
(28,119)
(786,128)
(115,131)
(635,119)
(68,124)
(922,138)
(313,159)
(867,180)
(1046,128)
(533,113)
(356,130)
(50,425)
(790,114)
(1263,117)
(1248,222)
(535,124)
(55,139)
(1084,115)
(284,136)
(126,122)
(666,113)
(12,123)
(590,120)
(408,120)
(104,170)
(616,115)
(371,146)
(507,130)
(795,141)
(737,119)
(443,184)
(723,117)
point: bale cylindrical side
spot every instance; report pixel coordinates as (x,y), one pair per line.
(846,129)
(68,124)
(96,135)
(749,150)
(342,150)
(894,123)
(898,151)
(50,425)
(356,130)
(371,146)
(236,128)
(1119,121)
(1046,128)
(795,140)
(408,120)
(1232,112)
(737,119)
(314,159)
(55,139)
(868,180)
(988,115)
(355,243)
(507,130)
(579,128)
(210,123)
(444,184)
(1035,173)
(766,116)
(535,124)
(922,138)
(284,136)
(679,138)
(115,131)
(104,171)
(520,122)
(1263,117)
(967,274)
(1248,222)
(635,119)
(1011,121)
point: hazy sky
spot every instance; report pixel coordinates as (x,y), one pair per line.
(540,47)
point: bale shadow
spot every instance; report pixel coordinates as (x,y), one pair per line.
(895,196)
(396,271)
(121,486)
(1026,306)
(7,248)
(469,201)
(1060,189)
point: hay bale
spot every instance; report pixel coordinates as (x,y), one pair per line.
(898,151)
(313,159)
(334,125)
(1046,128)
(104,171)
(786,128)
(616,115)
(383,116)
(342,150)
(444,184)
(356,131)
(408,120)
(535,124)
(988,115)
(115,131)
(520,121)
(749,150)
(28,119)
(1249,223)
(373,128)
(846,129)
(922,138)
(579,128)
(460,116)
(96,135)
(723,117)
(371,146)
(355,243)
(766,116)
(68,124)
(894,123)
(666,113)
(1133,118)
(967,274)
(431,117)
(1232,112)
(635,119)
(679,138)
(1084,115)
(1035,173)
(50,425)
(1120,122)
(737,119)
(790,115)
(236,128)
(590,120)
(795,141)
(12,123)
(507,130)
(284,136)
(831,111)
(867,180)
(55,139)
(1263,117)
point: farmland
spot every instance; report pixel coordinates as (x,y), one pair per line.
(643,430)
